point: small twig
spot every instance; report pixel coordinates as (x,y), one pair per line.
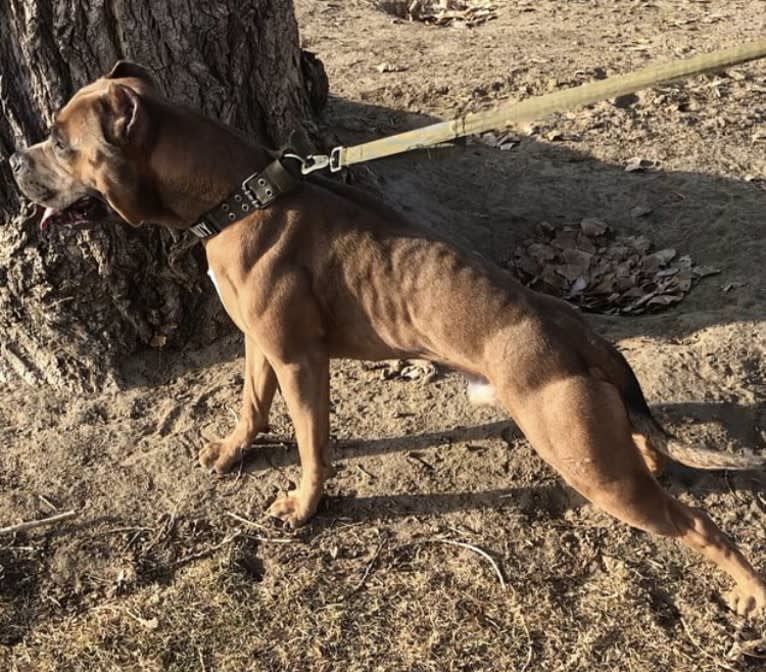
(526,632)
(475,549)
(761,500)
(164,531)
(21,527)
(366,473)
(129,528)
(718,662)
(416,458)
(240,470)
(147,623)
(252,523)
(245,521)
(369,567)
(25,549)
(48,502)
(205,552)
(241,464)
(58,302)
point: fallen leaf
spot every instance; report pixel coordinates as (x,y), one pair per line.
(641,243)
(636,164)
(578,285)
(575,257)
(502,142)
(664,256)
(546,228)
(528,265)
(158,341)
(593,227)
(704,271)
(665,299)
(542,252)
(565,239)
(684,279)
(390,67)
(640,211)
(551,278)
(650,264)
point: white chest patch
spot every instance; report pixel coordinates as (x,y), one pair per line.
(215,284)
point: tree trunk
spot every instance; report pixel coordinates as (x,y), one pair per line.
(73,303)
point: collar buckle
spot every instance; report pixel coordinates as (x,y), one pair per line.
(259,190)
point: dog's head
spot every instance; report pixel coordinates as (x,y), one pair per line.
(95,153)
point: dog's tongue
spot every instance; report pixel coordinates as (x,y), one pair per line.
(47,216)
(82,211)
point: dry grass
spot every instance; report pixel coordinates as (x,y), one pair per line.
(358,596)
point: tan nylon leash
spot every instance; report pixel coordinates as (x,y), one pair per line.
(533,108)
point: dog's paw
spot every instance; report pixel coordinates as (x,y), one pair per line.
(748,599)
(219,456)
(292,509)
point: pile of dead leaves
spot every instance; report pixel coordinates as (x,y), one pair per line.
(441,12)
(600,272)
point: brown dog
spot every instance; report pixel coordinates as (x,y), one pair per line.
(326,271)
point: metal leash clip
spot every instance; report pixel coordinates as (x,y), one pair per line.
(313,162)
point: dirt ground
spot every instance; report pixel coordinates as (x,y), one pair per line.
(159,571)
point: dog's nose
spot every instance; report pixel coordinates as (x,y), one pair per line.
(17,162)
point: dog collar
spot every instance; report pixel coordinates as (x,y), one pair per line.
(257,191)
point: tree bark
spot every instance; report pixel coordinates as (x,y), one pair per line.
(74,303)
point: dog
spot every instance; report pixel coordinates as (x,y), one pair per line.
(327,271)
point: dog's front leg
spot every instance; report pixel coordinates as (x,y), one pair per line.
(305,386)
(257,395)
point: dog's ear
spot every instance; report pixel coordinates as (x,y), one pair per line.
(123,69)
(124,115)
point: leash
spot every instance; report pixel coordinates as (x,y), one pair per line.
(530,109)
(261,189)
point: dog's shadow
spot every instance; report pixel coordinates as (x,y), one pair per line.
(551,497)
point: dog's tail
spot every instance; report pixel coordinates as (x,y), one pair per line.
(693,456)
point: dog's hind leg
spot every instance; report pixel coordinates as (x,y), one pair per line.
(580,426)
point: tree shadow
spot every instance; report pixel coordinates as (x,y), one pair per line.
(490,200)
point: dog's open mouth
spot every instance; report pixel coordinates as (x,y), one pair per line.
(85,210)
